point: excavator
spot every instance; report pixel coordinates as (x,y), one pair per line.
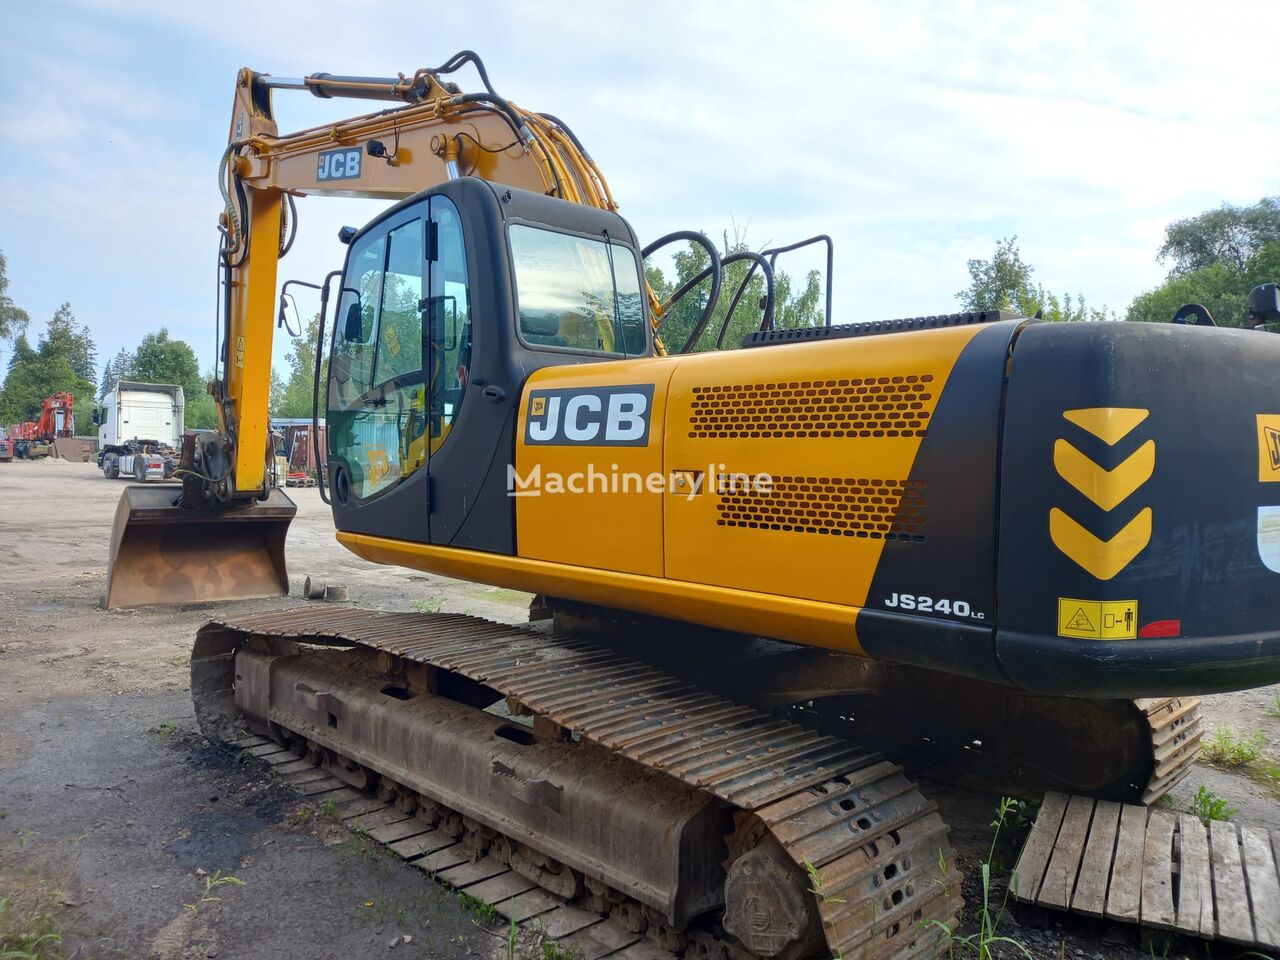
(760,572)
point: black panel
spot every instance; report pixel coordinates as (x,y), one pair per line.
(869,328)
(1201,575)
(957,468)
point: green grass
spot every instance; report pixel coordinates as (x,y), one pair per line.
(1208,806)
(165,730)
(1273,710)
(213,882)
(30,937)
(1228,748)
(427,604)
(481,912)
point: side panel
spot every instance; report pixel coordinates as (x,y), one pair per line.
(833,428)
(1135,504)
(583,491)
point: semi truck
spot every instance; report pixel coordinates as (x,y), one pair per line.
(140,430)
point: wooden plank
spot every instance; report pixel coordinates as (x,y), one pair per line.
(1157,872)
(313,787)
(1060,876)
(1039,847)
(1230,897)
(377,817)
(560,922)
(534,903)
(1264,885)
(502,887)
(359,806)
(298,777)
(471,872)
(391,832)
(598,941)
(1195,882)
(422,844)
(1124,893)
(1090,897)
(443,858)
(296,766)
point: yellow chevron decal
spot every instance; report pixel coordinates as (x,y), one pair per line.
(1107,488)
(1103,559)
(1108,424)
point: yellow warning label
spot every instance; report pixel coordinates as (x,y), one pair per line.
(538,406)
(1269,448)
(239,351)
(1097,619)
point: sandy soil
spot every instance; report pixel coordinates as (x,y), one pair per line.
(114,814)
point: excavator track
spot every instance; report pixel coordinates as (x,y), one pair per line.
(1176,731)
(829,848)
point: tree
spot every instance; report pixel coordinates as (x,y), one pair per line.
(276,394)
(114,370)
(1004,283)
(1229,235)
(1221,287)
(295,398)
(13,319)
(61,362)
(202,410)
(792,308)
(161,359)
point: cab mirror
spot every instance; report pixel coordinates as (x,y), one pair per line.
(288,316)
(354,330)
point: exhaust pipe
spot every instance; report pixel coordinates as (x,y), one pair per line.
(163,554)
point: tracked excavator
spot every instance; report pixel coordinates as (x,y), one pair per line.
(767,568)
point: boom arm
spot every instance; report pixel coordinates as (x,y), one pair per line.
(438,134)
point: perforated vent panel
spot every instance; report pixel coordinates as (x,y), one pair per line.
(870,407)
(834,506)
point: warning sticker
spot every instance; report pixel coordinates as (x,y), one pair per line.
(1098,619)
(1268,448)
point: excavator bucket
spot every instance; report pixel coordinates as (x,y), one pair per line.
(169,555)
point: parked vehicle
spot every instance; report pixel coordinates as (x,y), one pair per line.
(140,430)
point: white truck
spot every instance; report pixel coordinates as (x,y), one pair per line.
(140,430)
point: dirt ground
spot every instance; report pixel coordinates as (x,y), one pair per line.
(119,826)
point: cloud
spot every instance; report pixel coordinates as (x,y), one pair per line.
(916,134)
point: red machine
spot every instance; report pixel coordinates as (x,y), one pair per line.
(57,417)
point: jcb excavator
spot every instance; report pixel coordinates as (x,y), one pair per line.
(765,565)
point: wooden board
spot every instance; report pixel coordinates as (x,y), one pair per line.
(1095,868)
(1039,847)
(1155,868)
(1195,885)
(1157,871)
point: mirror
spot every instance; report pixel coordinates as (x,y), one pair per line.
(288,316)
(353,331)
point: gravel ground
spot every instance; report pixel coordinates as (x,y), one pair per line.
(115,816)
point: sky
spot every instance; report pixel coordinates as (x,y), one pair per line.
(915,134)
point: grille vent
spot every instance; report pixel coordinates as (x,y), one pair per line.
(870,407)
(832,506)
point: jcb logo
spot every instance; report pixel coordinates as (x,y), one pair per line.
(591,416)
(338,164)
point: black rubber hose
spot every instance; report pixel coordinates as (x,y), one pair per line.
(766,321)
(693,236)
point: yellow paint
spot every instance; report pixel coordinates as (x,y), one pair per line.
(252,319)
(830,569)
(1108,424)
(1268,448)
(1107,488)
(1102,558)
(1097,619)
(827,625)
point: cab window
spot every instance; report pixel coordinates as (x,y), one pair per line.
(577,293)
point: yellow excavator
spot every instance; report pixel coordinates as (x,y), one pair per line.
(765,568)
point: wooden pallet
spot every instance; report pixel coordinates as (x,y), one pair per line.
(1154,867)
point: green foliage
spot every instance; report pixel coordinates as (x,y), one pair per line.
(1207,805)
(1227,748)
(13,319)
(1004,283)
(161,359)
(1273,709)
(982,943)
(481,912)
(295,395)
(793,306)
(62,361)
(1221,286)
(213,882)
(31,937)
(1229,236)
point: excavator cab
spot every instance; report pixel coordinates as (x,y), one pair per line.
(449,301)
